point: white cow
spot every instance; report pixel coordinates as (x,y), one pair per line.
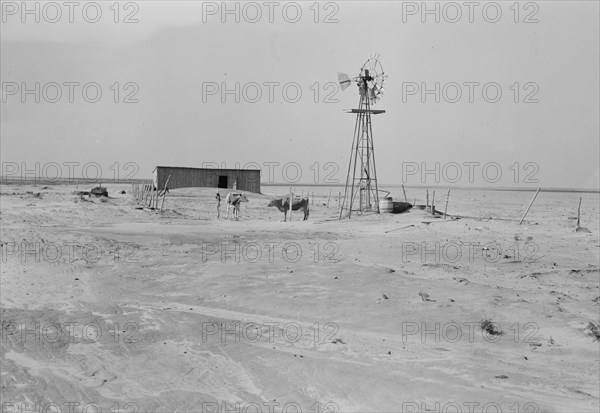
(233,200)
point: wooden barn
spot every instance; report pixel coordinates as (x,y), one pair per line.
(182,177)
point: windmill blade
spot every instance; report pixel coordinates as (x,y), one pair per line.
(372,94)
(344,80)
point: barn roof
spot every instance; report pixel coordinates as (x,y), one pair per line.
(206,169)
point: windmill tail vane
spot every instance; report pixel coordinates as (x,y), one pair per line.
(344,80)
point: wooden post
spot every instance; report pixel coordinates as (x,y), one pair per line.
(330,198)
(312,199)
(433,203)
(150,193)
(291,202)
(162,202)
(427,201)
(446,207)
(403,190)
(396,229)
(164,193)
(151,184)
(157,196)
(530,204)
(578,212)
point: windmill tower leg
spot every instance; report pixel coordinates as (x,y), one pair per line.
(349,188)
(368,170)
(371,161)
(353,187)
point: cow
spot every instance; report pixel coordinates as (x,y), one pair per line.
(283,205)
(233,200)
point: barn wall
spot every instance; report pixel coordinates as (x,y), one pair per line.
(155,178)
(247,180)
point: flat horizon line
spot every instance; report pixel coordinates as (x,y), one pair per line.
(12,180)
(485,188)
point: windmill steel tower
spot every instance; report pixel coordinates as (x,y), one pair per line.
(361,192)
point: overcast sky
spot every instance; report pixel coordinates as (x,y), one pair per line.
(173,58)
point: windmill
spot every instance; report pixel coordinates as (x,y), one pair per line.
(361,192)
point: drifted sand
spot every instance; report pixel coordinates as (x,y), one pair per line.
(169,324)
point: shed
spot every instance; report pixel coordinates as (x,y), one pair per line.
(184,177)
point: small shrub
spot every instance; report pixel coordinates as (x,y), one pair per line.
(489,327)
(594,330)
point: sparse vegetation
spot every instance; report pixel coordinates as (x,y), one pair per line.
(424,296)
(594,330)
(491,328)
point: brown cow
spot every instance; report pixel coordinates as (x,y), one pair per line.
(283,204)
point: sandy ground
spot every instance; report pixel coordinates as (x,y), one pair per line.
(107,306)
